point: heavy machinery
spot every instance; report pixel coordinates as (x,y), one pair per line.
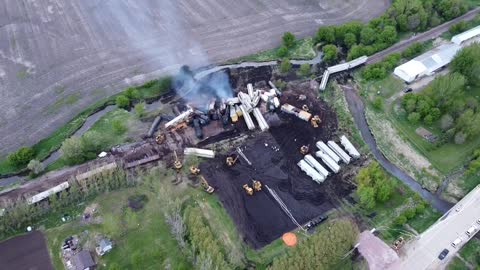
(304,149)
(160,138)
(231,160)
(315,121)
(209,189)
(176,163)
(194,170)
(257,185)
(248,189)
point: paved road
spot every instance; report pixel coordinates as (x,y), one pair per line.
(423,252)
(357,109)
(432,33)
(59,56)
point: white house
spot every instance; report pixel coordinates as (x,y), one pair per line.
(427,63)
(462,37)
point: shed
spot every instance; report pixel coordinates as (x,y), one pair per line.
(83,261)
(104,246)
(427,135)
(462,37)
(427,63)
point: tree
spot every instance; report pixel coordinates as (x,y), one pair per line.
(139,109)
(350,40)
(122,102)
(460,138)
(420,208)
(366,196)
(285,66)
(35,166)
(304,70)
(400,220)
(467,63)
(288,40)
(119,126)
(355,52)
(409,213)
(410,15)
(413,50)
(131,93)
(325,34)
(93,142)
(414,117)
(446,122)
(21,157)
(330,53)
(428,119)
(384,187)
(445,90)
(388,35)
(378,103)
(367,36)
(450,9)
(458,28)
(72,150)
(282,51)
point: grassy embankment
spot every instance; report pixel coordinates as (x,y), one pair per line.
(470,252)
(303,50)
(53,142)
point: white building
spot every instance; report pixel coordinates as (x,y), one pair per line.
(467,35)
(427,63)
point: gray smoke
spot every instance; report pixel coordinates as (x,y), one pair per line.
(161,32)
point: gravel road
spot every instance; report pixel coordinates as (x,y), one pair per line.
(58,56)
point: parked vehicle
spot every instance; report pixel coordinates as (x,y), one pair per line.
(443,254)
(407,90)
(471,231)
(456,242)
(478,221)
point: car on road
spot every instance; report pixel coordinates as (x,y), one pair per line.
(471,231)
(478,221)
(456,242)
(443,254)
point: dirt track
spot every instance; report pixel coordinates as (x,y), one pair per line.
(57,57)
(274,156)
(25,252)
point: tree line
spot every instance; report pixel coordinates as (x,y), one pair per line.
(324,249)
(448,101)
(401,17)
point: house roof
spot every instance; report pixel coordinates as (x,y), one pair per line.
(466,35)
(83,260)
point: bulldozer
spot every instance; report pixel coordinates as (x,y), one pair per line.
(176,163)
(315,121)
(248,189)
(304,149)
(160,138)
(230,161)
(257,185)
(194,170)
(209,189)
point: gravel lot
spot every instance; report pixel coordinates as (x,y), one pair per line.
(58,56)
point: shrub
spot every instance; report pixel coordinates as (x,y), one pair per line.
(378,103)
(409,213)
(400,220)
(419,209)
(330,53)
(460,138)
(21,157)
(285,66)
(122,102)
(304,70)
(119,126)
(413,50)
(414,117)
(139,109)
(288,40)
(35,166)
(282,51)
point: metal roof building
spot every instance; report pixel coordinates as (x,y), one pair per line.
(427,63)
(462,37)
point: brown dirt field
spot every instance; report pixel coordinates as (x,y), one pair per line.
(25,252)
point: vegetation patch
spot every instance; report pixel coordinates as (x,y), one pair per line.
(137,202)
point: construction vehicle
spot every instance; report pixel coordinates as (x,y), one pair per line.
(315,121)
(257,185)
(230,160)
(160,138)
(248,189)
(176,163)
(194,170)
(209,189)
(304,149)
(305,108)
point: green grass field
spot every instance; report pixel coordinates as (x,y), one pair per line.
(303,50)
(471,252)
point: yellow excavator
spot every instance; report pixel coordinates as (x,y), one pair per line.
(248,189)
(209,189)
(160,138)
(315,121)
(176,163)
(194,170)
(230,161)
(304,149)
(257,185)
